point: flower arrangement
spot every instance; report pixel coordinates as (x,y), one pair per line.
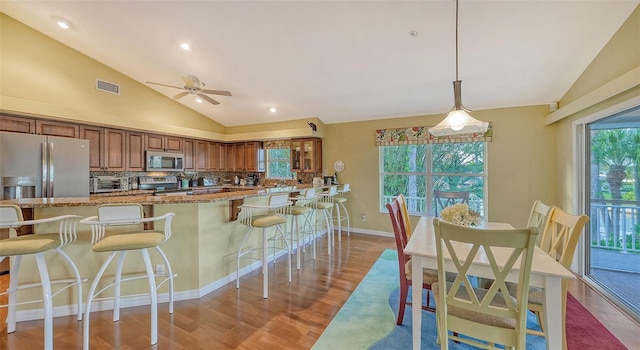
(460,214)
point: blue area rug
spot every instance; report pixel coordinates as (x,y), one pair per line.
(367,319)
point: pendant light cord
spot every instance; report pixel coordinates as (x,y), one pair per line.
(456,39)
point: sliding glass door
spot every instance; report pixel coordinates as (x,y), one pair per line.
(613,202)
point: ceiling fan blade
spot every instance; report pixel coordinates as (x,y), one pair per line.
(171,86)
(217,92)
(208,99)
(191,81)
(180,95)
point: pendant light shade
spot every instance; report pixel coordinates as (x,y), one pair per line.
(458,121)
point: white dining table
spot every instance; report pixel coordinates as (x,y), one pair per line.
(546,273)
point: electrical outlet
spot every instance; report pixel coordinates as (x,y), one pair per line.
(364,217)
(160,269)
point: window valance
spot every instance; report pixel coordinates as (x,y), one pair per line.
(421,135)
(276,144)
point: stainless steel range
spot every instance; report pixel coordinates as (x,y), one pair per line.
(162,185)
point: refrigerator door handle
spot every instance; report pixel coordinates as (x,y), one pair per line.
(45,170)
(51,172)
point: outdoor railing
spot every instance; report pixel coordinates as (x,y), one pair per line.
(615,225)
(419,204)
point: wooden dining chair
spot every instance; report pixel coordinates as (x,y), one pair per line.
(444,199)
(405,214)
(404,262)
(486,315)
(538,218)
(559,239)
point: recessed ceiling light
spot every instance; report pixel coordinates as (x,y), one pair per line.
(273,109)
(199,100)
(63,23)
(185,46)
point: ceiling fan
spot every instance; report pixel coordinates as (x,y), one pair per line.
(193,86)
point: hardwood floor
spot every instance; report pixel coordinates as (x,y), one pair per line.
(293,316)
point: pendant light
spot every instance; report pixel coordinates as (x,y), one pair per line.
(458,121)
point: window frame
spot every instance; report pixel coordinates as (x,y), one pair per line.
(429,175)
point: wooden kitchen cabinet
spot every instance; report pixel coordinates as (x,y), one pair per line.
(17,124)
(306,155)
(202,155)
(214,156)
(225,156)
(55,128)
(239,157)
(107,148)
(135,151)
(163,143)
(189,150)
(252,160)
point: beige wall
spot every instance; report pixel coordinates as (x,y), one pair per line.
(41,76)
(521,163)
(621,55)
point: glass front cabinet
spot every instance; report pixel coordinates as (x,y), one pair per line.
(306,155)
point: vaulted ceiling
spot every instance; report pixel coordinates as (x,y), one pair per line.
(339,61)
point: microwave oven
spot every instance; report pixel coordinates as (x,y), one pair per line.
(164,161)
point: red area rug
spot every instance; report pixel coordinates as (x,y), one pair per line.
(584,331)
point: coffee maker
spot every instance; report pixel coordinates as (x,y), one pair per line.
(252,179)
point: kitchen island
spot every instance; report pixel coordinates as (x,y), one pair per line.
(201,250)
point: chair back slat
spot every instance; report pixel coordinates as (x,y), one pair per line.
(561,235)
(538,218)
(506,252)
(9,214)
(444,199)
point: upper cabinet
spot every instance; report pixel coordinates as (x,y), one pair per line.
(189,150)
(163,143)
(54,128)
(17,124)
(254,156)
(107,148)
(306,155)
(135,151)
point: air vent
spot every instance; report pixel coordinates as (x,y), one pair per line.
(107,87)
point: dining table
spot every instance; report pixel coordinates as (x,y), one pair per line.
(546,273)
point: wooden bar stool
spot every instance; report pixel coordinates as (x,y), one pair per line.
(339,201)
(264,217)
(36,245)
(137,239)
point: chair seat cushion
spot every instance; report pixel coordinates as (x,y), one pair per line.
(22,246)
(51,236)
(535,293)
(429,276)
(130,241)
(267,221)
(339,200)
(321,205)
(300,210)
(477,316)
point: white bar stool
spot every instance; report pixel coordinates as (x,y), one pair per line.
(300,209)
(264,217)
(339,201)
(138,239)
(323,206)
(37,244)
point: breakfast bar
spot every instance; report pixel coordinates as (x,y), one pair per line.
(202,249)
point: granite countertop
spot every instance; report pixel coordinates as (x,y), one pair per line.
(146,197)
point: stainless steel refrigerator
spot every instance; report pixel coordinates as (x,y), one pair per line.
(51,166)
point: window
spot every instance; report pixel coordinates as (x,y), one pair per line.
(417,170)
(279,163)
